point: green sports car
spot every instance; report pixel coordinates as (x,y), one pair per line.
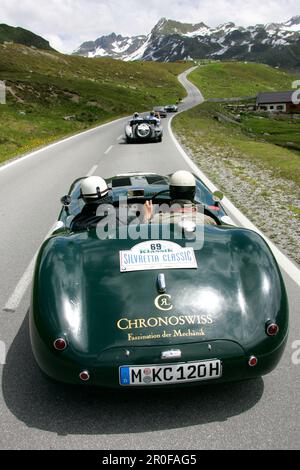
(150,305)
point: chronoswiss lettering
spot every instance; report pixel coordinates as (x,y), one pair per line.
(126,324)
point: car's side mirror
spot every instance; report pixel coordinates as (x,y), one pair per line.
(66,201)
(218,196)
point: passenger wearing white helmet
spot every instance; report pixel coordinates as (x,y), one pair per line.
(94,191)
(183,206)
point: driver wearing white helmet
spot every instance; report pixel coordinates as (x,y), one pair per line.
(94,191)
(183,206)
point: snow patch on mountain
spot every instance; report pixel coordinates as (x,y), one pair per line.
(203,31)
(119,48)
(221,51)
(99,52)
(139,53)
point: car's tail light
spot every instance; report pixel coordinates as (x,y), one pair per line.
(84,376)
(253,361)
(60,344)
(272,329)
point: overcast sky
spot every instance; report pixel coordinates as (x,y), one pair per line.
(68,23)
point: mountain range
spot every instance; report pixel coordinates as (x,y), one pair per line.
(277,44)
(22,36)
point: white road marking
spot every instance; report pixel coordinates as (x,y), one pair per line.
(285,263)
(108,150)
(92,170)
(120,137)
(23,284)
(55,144)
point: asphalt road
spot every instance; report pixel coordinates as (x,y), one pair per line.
(38,414)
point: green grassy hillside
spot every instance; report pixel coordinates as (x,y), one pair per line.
(50,95)
(22,36)
(271,142)
(201,129)
(237,79)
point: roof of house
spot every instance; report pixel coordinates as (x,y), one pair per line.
(275,97)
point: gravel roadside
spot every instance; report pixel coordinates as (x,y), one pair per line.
(271,203)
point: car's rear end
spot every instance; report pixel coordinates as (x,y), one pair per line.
(171,108)
(119,313)
(144,131)
(162,112)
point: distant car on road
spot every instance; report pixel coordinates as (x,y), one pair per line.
(161,110)
(171,108)
(148,129)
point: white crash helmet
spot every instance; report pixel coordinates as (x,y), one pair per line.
(93,187)
(182,185)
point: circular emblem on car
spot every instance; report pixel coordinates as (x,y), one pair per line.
(163,302)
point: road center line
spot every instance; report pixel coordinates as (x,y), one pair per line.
(92,170)
(108,150)
(23,284)
(93,130)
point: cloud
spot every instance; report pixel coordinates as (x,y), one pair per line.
(68,23)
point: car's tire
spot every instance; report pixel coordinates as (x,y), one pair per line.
(128,140)
(159,139)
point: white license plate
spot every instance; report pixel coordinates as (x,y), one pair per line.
(170,373)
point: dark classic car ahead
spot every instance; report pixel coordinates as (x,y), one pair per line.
(161,110)
(171,108)
(120,311)
(148,129)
